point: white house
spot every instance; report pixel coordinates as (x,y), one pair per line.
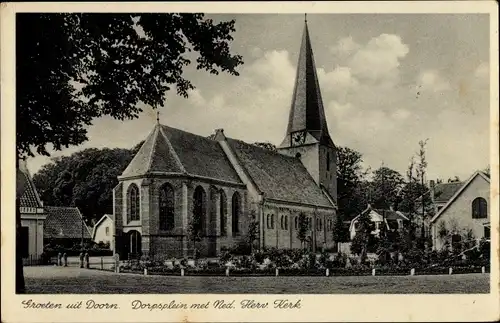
(465,212)
(393,220)
(32,215)
(103,230)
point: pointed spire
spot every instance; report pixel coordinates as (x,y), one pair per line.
(306,111)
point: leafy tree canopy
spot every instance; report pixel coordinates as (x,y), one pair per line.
(72,68)
(84,179)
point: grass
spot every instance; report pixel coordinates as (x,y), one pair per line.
(71,280)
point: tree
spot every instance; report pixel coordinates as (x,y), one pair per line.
(302,228)
(351,193)
(72,68)
(266,145)
(195,227)
(386,186)
(253,230)
(84,179)
(363,236)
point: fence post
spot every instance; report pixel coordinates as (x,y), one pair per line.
(373,272)
(450,271)
(102,264)
(412,272)
(182,271)
(227,271)
(145,271)
(483,270)
(327,272)
(277,272)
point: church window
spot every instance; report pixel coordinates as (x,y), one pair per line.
(167,209)
(272,221)
(282,220)
(236,209)
(309,223)
(223,214)
(479,208)
(199,208)
(296,224)
(286,222)
(133,203)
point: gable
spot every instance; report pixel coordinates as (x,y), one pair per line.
(478,185)
(278,176)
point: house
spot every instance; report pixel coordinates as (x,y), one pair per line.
(65,227)
(465,214)
(390,219)
(32,215)
(230,185)
(103,231)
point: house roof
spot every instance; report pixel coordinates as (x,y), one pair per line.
(307,112)
(443,192)
(459,191)
(30,197)
(279,176)
(378,215)
(64,222)
(173,151)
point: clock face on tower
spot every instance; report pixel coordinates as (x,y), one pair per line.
(298,138)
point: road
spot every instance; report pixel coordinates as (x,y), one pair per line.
(73,280)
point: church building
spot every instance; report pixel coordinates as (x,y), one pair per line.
(232,186)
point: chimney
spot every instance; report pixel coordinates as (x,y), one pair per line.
(219,134)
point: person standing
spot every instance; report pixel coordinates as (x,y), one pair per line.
(65,257)
(59,259)
(87,260)
(81,259)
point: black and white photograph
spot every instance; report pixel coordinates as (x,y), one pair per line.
(200,152)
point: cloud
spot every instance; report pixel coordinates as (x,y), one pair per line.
(379,59)
(431,80)
(344,46)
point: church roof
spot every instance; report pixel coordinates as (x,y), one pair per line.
(173,151)
(64,222)
(307,112)
(278,176)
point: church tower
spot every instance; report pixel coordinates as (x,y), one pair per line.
(307,135)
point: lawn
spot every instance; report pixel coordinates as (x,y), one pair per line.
(56,280)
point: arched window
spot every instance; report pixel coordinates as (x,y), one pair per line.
(272,221)
(167,203)
(296,223)
(236,209)
(199,209)
(286,222)
(282,222)
(479,208)
(223,214)
(133,203)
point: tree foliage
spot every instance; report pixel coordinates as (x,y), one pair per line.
(302,228)
(84,179)
(350,189)
(266,145)
(385,188)
(73,67)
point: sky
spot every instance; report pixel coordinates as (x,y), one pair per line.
(387,81)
